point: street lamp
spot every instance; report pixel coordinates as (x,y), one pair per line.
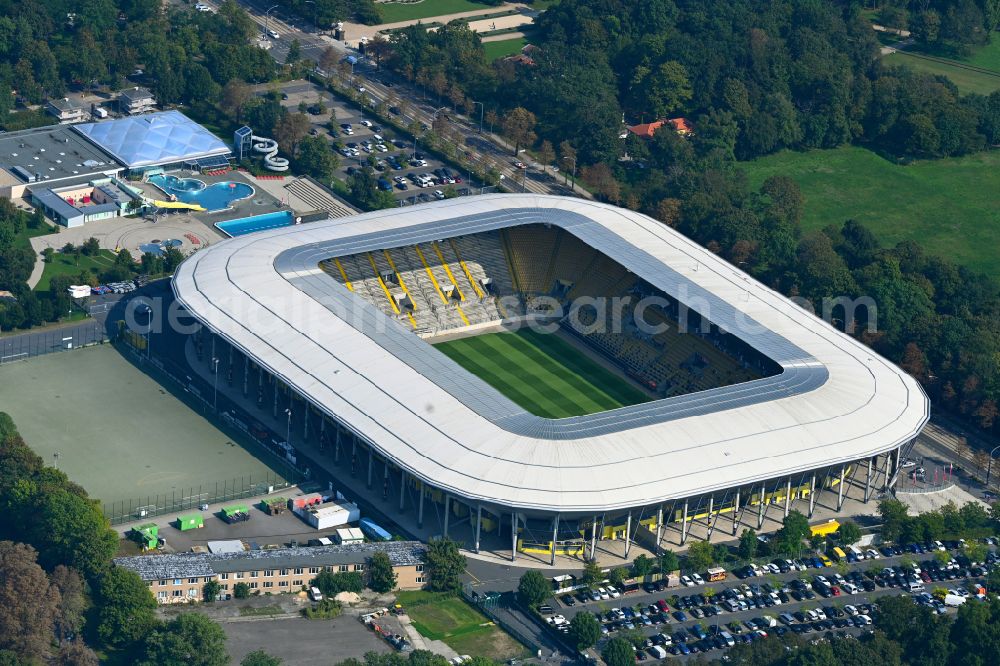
(288,431)
(482,110)
(55,460)
(989,468)
(573,181)
(267,17)
(215,396)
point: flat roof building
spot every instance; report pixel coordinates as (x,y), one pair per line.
(136,100)
(180,577)
(66,110)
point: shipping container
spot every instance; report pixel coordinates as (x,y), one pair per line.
(191,521)
(373,531)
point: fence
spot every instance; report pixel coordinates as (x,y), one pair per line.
(39,343)
(517,621)
(184,499)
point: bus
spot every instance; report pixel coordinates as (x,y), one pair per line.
(716,574)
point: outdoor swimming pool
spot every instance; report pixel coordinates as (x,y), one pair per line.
(248,225)
(217,196)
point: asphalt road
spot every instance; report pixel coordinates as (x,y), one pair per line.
(382,85)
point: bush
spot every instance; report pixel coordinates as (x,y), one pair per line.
(324,610)
(241,591)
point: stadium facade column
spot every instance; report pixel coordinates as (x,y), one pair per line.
(659,530)
(812,494)
(371,463)
(402,491)
(305,421)
(420,506)
(555,534)
(628,534)
(513,536)
(788,496)
(736,512)
(840,488)
(214,369)
(479,523)
(684,523)
(322,430)
(275,398)
(760,507)
(447,513)
(354,453)
(868,482)
(894,458)
(593,537)
(708,521)
(246,375)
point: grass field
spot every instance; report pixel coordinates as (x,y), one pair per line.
(65,264)
(397,11)
(542,373)
(459,625)
(966,80)
(503,48)
(119,434)
(949,205)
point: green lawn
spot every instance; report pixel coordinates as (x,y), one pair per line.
(967,80)
(459,625)
(948,205)
(397,11)
(66,264)
(542,373)
(503,48)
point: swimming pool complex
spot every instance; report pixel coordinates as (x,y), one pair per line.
(248,225)
(217,196)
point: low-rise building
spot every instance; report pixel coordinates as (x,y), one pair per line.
(66,110)
(180,577)
(136,100)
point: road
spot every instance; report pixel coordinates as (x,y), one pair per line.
(383,86)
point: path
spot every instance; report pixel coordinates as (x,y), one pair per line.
(504,37)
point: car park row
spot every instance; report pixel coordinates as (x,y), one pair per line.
(908,575)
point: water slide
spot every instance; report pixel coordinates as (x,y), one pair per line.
(269,148)
(176,204)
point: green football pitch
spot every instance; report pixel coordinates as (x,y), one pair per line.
(543,373)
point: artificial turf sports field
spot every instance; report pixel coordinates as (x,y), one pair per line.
(542,373)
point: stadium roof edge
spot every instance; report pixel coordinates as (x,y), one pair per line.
(250,290)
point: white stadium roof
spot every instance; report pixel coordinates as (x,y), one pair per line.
(835,400)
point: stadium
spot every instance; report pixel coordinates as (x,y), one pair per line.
(550,369)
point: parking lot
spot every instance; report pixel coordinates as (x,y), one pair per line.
(304,642)
(792,596)
(359,139)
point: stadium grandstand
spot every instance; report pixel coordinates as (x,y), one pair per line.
(556,370)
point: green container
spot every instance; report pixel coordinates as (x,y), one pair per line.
(235,508)
(191,521)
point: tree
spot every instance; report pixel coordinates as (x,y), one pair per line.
(592,573)
(294,53)
(381,577)
(700,555)
(534,588)
(331,584)
(794,530)
(210,590)
(618,652)
(519,126)
(72,530)
(126,607)
(748,544)
(585,630)
(668,562)
(316,159)
(241,590)
(73,601)
(47,255)
(894,518)
(618,576)
(546,154)
(260,658)
(235,96)
(28,605)
(91,247)
(849,533)
(290,130)
(642,566)
(190,639)
(445,565)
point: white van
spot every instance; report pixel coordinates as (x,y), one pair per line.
(657,652)
(728,638)
(916,587)
(315,594)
